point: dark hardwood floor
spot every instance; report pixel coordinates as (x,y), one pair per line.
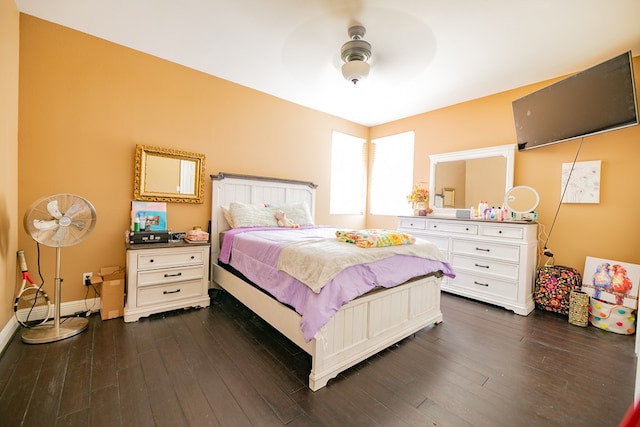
(222,366)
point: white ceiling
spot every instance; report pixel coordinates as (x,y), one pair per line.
(427,54)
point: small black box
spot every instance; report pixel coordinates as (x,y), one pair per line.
(139,237)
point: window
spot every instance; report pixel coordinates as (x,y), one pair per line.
(348,174)
(392,174)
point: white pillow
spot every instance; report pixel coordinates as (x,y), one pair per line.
(243,215)
(227,216)
(296,212)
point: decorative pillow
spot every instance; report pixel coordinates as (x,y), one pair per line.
(243,215)
(227,216)
(296,212)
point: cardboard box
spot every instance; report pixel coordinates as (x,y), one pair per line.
(112,293)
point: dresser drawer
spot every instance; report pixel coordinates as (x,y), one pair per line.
(453,227)
(170,259)
(506,270)
(170,275)
(500,289)
(412,223)
(502,231)
(486,249)
(151,295)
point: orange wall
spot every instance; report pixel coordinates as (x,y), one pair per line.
(84,105)
(9,50)
(608,229)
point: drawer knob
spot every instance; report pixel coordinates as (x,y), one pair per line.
(171,292)
(151,260)
(479,283)
(173,275)
(193,257)
(482,266)
(499,231)
(466,229)
(483,250)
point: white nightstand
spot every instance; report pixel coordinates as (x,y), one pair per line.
(163,277)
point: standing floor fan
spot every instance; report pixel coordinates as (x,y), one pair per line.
(58,221)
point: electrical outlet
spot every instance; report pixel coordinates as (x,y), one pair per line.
(85,277)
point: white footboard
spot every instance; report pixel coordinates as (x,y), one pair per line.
(359,330)
(372,323)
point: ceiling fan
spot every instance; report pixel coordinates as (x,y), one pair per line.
(356,53)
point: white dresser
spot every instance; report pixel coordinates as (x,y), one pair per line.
(163,277)
(494,262)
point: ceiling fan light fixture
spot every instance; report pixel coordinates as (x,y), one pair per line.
(355,53)
(355,71)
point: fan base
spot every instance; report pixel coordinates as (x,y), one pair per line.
(48,332)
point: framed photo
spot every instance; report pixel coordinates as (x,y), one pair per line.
(611,281)
(151,216)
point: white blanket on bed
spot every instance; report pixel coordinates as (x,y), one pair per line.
(316,262)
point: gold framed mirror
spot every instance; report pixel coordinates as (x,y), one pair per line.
(167,175)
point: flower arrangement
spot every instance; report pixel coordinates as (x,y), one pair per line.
(419,199)
(418,195)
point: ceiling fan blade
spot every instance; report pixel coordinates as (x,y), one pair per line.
(53,209)
(42,224)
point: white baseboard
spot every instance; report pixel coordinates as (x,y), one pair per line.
(7,332)
(66,309)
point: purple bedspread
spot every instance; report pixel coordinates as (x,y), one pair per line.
(254,252)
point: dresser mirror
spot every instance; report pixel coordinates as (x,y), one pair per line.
(471,175)
(167,175)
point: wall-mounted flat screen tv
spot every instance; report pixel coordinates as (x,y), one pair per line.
(599,99)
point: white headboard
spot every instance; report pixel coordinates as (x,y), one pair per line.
(250,189)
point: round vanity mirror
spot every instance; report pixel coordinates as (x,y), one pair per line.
(521,199)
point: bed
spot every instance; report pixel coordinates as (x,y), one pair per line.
(359,328)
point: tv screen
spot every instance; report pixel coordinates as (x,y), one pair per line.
(599,99)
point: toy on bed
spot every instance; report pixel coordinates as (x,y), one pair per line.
(283,221)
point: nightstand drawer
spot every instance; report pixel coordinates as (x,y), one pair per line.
(160,260)
(170,275)
(486,249)
(170,292)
